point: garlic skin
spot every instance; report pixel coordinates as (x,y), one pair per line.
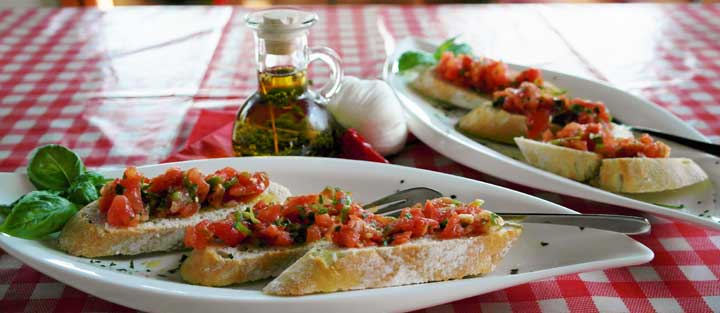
(371,108)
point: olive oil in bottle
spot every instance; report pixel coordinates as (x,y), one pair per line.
(285,117)
(282,118)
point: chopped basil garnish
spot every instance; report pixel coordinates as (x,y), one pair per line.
(494,218)
(443,223)
(214,180)
(230,183)
(240,226)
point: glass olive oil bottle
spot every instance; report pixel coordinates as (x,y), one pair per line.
(285,117)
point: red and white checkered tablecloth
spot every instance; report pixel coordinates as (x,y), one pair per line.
(124,87)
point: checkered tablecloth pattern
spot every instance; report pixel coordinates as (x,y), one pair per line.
(124,87)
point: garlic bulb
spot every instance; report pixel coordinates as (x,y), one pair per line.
(371,108)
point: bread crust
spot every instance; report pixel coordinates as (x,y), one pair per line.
(574,164)
(329,269)
(87,233)
(428,84)
(222,266)
(495,124)
(641,175)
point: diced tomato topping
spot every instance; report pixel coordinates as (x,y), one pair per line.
(401,238)
(226,173)
(178,193)
(199,236)
(226,231)
(267,213)
(215,199)
(532,75)
(537,123)
(592,112)
(188,209)
(453,228)
(196,177)
(313,233)
(172,177)
(598,137)
(323,220)
(121,213)
(484,74)
(248,185)
(107,194)
(132,185)
(332,215)
(349,234)
(299,205)
(275,236)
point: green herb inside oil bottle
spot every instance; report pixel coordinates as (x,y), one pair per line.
(284,117)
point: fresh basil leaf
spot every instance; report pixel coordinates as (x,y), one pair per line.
(82,193)
(412,59)
(86,188)
(38,214)
(5,209)
(450,45)
(54,167)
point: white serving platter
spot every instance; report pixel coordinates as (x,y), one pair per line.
(150,282)
(434,124)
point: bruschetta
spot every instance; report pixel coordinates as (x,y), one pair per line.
(529,111)
(591,153)
(326,243)
(504,104)
(430,85)
(137,215)
(469,82)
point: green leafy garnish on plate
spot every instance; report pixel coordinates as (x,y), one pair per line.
(86,188)
(54,167)
(451,46)
(63,186)
(412,59)
(37,214)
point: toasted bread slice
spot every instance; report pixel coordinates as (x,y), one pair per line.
(574,164)
(88,234)
(639,175)
(329,269)
(222,266)
(495,124)
(428,84)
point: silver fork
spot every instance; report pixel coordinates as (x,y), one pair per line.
(632,225)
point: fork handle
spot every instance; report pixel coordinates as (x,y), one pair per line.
(631,225)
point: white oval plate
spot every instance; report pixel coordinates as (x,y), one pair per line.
(150,285)
(434,125)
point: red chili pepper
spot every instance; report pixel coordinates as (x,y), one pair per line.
(355,147)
